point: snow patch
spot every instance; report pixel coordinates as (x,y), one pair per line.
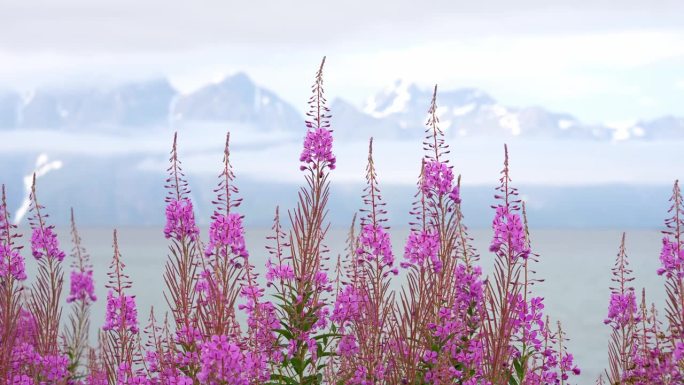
(400,98)
(63,112)
(507,119)
(621,129)
(444,125)
(27,97)
(564,124)
(638,131)
(464,110)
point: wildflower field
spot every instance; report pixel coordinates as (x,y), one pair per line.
(318,318)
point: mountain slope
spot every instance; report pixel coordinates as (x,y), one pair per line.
(237,99)
(398,111)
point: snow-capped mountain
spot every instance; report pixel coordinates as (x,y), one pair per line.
(472,112)
(132,104)
(237,99)
(399,111)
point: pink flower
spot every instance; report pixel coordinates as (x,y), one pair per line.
(44,244)
(12,263)
(347,305)
(222,361)
(509,231)
(622,309)
(672,260)
(374,243)
(121,312)
(227,232)
(180,219)
(82,288)
(422,246)
(437,178)
(455,194)
(281,272)
(318,148)
(347,346)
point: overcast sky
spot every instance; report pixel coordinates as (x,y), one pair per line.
(600,60)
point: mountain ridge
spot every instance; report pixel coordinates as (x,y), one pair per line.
(398,111)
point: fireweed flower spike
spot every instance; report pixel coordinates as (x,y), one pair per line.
(518,344)
(652,358)
(364,308)
(121,323)
(12,273)
(317,148)
(81,296)
(672,260)
(428,354)
(672,267)
(226,256)
(303,307)
(181,269)
(622,318)
(44,299)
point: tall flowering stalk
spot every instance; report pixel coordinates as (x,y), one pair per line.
(181,270)
(437,340)
(622,318)
(364,308)
(672,260)
(262,321)
(651,356)
(303,307)
(44,300)
(12,274)
(226,255)
(121,323)
(519,346)
(504,291)
(672,267)
(642,350)
(81,296)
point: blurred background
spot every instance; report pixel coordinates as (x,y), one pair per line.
(589,96)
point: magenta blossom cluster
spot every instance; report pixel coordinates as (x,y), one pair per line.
(180,219)
(672,259)
(622,309)
(52,369)
(227,235)
(457,326)
(318,148)
(222,362)
(11,263)
(348,346)
(530,320)
(422,246)
(82,287)
(374,243)
(44,243)
(455,194)
(437,178)
(121,312)
(509,230)
(283,272)
(348,305)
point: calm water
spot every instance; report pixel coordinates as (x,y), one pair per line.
(575,265)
